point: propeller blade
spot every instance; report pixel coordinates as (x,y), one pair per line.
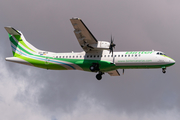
(112,45)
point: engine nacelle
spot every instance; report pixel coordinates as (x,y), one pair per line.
(101,45)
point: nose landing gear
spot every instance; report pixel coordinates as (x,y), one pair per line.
(164,70)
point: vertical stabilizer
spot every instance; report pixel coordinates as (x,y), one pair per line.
(19,44)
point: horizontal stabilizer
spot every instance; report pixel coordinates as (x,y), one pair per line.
(12,31)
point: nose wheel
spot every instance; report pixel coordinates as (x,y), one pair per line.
(164,70)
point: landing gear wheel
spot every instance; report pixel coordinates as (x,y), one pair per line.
(94,67)
(99,76)
(164,70)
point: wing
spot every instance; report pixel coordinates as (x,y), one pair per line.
(113,73)
(83,34)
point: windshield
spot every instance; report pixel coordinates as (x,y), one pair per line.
(160,53)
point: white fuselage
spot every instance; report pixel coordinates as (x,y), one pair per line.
(131,59)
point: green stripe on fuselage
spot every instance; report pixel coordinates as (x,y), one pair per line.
(167,57)
(42,64)
(144,66)
(85,63)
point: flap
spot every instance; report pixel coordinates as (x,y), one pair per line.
(113,73)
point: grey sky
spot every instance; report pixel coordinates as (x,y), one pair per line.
(32,93)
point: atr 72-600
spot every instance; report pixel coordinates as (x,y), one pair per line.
(97,56)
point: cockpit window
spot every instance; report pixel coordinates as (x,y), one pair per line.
(159,53)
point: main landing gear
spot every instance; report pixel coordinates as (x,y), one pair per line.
(95,68)
(99,75)
(164,70)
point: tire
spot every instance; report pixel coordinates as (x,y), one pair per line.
(92,68)
(164,71)
(99,76)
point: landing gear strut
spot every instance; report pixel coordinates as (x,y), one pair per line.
(99,75)
(164,70)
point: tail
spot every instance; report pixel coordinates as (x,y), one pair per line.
(19,45)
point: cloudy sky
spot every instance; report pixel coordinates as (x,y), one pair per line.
(28,93)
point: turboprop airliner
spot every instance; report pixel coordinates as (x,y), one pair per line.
(97,56)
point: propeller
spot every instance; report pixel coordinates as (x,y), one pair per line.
(112,45)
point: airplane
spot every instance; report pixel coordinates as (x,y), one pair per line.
(97,56)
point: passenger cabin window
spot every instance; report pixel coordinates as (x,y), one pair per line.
(59,56)
(104,55)
(114,55)
(128,55)
(97,55)
(118,55)
(121,55)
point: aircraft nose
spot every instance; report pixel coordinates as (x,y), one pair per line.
(172,61)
